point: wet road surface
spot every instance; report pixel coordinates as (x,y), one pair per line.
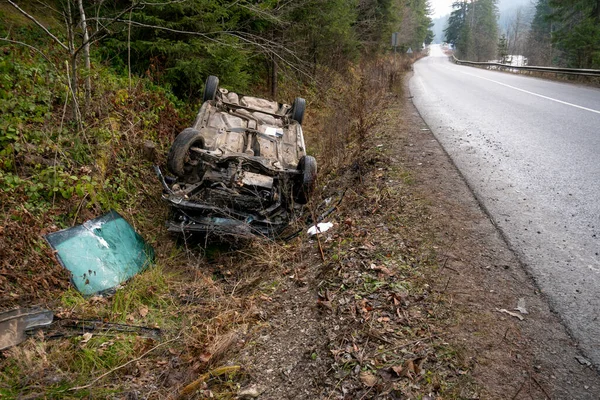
(530,150)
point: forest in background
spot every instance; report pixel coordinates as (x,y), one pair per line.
(558,33)
(249,43)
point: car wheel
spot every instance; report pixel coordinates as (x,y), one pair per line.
(180,161)
(298,109)
(308,167)
(210,88)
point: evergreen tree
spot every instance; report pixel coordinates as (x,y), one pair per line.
(473,30)
(502,48)
(244,42)
(539,50)
(483,18)
(578,32)
(458,32)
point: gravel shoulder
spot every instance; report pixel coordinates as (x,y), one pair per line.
(452,312)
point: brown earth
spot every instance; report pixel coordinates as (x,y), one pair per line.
(404,299)
(399,300)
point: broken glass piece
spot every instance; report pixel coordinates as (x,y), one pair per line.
(101,253)
(14,323)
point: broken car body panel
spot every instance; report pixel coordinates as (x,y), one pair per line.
(241,168)
(14,324)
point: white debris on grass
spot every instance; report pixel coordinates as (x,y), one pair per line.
(322,227)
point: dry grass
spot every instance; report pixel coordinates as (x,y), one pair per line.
(210,299)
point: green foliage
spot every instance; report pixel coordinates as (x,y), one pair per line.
(539,48)
(457,25)
(28,92)
(502,48)
(322,33)
(201,37)
(485,30)
(473,29)
(577,34)
(565,33)
(225,60)
(180,44)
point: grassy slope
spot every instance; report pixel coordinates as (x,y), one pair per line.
(205,301)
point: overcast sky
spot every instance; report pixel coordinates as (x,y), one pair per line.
(441,7)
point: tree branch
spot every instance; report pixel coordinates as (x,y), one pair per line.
(92,37)
(32,48)
(57,40)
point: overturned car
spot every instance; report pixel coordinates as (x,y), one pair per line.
(241,169)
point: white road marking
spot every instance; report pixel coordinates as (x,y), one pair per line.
(532,93)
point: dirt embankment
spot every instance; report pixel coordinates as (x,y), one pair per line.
(415,293)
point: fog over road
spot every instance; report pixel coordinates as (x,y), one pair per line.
(530,150)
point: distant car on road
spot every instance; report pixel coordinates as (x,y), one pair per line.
(241,169)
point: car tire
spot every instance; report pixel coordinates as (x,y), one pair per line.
(210,88)
(298,109)
(179,154)
(308,166)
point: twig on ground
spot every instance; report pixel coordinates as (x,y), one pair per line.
(447,258)
(191,387)
(504,337)
(366,393)
(519,391)
(123,365)
(334,388)
(446,287)
(312,212)
(540,386)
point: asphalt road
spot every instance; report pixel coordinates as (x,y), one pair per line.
(530,150)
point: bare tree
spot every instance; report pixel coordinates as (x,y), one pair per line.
(517,32)
(76,26)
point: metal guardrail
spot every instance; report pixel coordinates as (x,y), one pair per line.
(568,71)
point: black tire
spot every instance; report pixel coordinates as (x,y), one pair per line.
(210,88)
(308,166)
(298,109)
(179,154)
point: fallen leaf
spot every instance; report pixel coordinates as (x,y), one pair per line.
(418,362)
(399,370)
(382,269)
(368,379)
(205,357)
(86,337)
(143,310)
(410,366)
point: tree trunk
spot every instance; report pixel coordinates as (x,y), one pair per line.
(86,56)
(274,79)
(129,49)
(72,68)
(73,89)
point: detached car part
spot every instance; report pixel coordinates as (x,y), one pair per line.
(241,169)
